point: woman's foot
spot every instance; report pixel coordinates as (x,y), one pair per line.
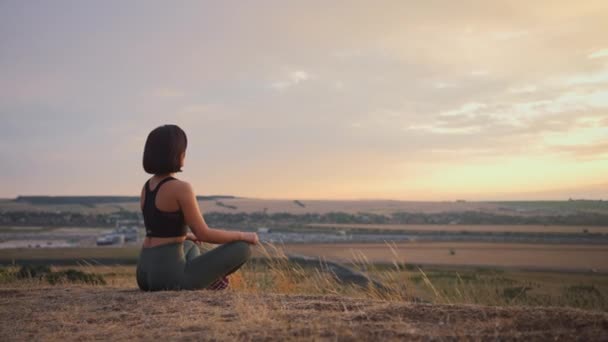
(219,284)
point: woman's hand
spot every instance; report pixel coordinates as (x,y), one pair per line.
(251,238)
(190,236)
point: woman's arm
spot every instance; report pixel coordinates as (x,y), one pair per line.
(194,219)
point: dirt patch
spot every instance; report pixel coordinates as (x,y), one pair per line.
(92,312)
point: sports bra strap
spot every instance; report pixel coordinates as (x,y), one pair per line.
(159,184)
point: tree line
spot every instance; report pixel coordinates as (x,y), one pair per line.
(284,219)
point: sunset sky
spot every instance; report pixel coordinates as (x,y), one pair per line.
(413,100)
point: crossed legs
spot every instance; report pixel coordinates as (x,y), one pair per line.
(203,270)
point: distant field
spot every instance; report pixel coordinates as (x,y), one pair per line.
(524,208)
(581,258)
(530,208)
(556,206)
(8,205)
(524,256)
(467,228)
(72,253)
(354,206)
(274,205)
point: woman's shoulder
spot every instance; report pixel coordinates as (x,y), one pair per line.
(182,190)
(173,184)
(180,184)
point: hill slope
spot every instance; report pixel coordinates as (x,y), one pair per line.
(112,313)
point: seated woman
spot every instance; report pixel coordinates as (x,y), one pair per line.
(170,258)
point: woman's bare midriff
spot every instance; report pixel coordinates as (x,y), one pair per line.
(158,241)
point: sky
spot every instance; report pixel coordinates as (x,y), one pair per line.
(411,100)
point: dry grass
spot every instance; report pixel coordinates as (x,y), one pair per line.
(109,313)
(279,300)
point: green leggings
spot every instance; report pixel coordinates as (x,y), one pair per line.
(177,266)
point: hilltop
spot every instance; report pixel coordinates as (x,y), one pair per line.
(118,313)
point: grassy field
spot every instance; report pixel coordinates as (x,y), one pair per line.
(71,253)
(578,258)
(556,206)
(472,277)
(437,285)
(393,264)
(278,300)
(583,258)
(482,228)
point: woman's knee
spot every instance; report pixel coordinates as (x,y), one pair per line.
(241,249)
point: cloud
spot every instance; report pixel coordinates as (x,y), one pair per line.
(293,78)
(466,109)
(338,85)
(598,150)
(508,35)
(443,85)
(520,126)
(598,54)
(493,79)
(440,128)
(596,77)
(169,93)
(523,89)
(480,73)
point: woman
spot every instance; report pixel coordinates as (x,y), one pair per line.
(170,258)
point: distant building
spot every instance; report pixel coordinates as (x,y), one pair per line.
(119,236)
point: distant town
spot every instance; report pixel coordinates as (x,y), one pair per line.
(54,221)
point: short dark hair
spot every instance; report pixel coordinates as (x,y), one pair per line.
(163,148)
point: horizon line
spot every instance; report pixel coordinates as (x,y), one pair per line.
(336,199)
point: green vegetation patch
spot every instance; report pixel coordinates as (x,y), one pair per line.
(45,273)
(504,288)
(75,276)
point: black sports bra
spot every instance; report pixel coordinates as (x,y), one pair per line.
(161,223)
